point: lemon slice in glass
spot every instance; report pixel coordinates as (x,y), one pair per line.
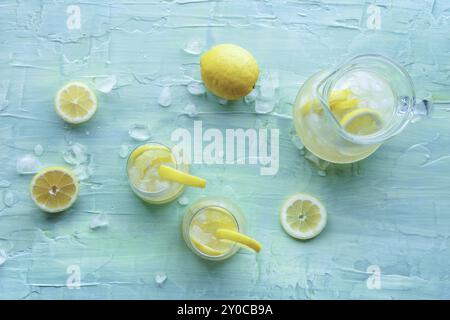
(54,189)
(362,121)
(303,216)
(75,103)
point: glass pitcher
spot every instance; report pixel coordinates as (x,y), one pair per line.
(344,115)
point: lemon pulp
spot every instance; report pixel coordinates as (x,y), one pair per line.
(203,227)
(75,103)
(54,189)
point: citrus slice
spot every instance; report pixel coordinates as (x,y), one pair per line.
(206,249)
(75,103)
(362,121)
(175,175)
(231,235)
(303,216)
(54,189)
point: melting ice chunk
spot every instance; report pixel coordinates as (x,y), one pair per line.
(100,220)
(268,85)
(139,132)
(9,198)
(76,154)
(190,110)
(183,201)
(251,97)
(297,142)
(321,164)
(3,257)
(160,278)
(27,164)
(84,171)
(193,46)
(262,106)
(165,97)
(38,150)
(4,183)
(105,84)
(123,152)
(196,88)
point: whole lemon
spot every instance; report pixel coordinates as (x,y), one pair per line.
(229,71)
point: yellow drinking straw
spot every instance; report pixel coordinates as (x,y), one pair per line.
(175,175)
(227,234)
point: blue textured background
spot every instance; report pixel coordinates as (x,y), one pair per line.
(390,210)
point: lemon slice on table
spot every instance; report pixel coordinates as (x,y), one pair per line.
(75,103)
(54,189)
(362,121)
(303,216)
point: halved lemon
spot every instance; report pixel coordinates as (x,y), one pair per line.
(54,189)
(303,216)
(75,103)
(362,121)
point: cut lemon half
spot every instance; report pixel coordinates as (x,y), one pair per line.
(75,103)
(54,189)
(303,216)
(362,121)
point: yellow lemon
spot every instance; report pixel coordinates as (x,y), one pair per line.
(54,189)
(229,71)
(362,121)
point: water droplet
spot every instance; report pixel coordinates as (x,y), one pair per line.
(38,150)
(196,88)
(100,220)
(139,132)
(3,257)
(165,97)
(190,110)
(105,84)
(4,183)
(124,150)
(183,201)
(27,164)
(160,278)
(193,46)
(9,199)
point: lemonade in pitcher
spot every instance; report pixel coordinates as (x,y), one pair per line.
(344,115)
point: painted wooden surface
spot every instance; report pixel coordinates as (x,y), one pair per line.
(390,211)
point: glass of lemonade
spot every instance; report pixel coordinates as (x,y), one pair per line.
(204,218)
(142,170)
(344,115)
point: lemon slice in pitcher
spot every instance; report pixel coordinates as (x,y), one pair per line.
(54,189)
(303,216)
(362,121)
(75,103)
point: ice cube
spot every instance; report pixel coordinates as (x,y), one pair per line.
(4,103)
(160,278)
(191,110)
(193,46)
(321,164)
(84,171)
(139,132)
(4,91)
(3,257)
(297,142)
(9,198)
(124,150)
(76,154)
(262,106)
(183,201)
(322,173)
(100,220)
(165,97)
(105,84)
(38,150)
(251,97)
(222,102)
(27,164)
(196,88)
(268,85)
(4,183)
